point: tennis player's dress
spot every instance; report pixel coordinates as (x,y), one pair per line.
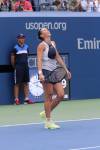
(48,62)
(21,74)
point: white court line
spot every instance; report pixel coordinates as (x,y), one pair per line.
(38,123)
(85,148)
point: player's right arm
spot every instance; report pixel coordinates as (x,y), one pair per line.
(40,50)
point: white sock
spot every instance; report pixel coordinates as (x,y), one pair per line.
(16,98)
(48,119)
(26,98)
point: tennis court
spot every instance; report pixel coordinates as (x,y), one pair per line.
(21,127)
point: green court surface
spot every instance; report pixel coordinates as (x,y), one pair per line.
(67,110)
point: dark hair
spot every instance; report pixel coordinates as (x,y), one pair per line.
(56,2)
(39,35)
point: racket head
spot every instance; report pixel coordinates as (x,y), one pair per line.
(56,76)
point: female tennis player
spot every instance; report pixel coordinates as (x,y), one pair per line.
(51,70)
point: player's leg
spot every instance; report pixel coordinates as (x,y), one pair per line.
(48,90)
(59,91)
(58,88)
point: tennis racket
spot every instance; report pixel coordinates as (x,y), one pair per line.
(55,76)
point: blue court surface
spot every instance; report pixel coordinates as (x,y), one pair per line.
(73,135)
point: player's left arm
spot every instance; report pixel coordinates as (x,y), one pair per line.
(61,62)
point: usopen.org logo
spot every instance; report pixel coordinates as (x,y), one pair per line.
(58,25)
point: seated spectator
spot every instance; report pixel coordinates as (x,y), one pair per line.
(90,5)
(6,5)
(75,5)
(44,4)
(97,5)
(57,5)
(23,5)
(84,5)
(33,5)
(65,5)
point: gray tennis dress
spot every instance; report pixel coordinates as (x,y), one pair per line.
(47,63)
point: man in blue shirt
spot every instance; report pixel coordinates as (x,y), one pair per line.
(21,71)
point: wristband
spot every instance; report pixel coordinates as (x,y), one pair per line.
(39,72)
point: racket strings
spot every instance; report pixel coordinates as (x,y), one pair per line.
(57,75)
